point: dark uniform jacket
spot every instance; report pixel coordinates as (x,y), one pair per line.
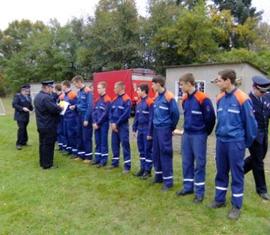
(20,101)
(47,111)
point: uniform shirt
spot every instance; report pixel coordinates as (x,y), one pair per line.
(70,97)
(166,113)
(235,118)
(120,109)
(18,103)
(84,103)
(143,115)
(47,111)
(101,110)
(199,113)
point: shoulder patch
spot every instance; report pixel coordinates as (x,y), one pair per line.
(72,95)
(125,97)
(168,96)
(149,101)
(219,96)
(200,96)
(241,96)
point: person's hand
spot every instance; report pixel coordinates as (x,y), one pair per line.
(72,107)
(95,126)
(149,137)
(85,123)
(178,132)
(25,109)
(114,127)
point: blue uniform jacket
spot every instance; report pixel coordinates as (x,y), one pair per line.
(101,110)
(120,110)
(18,103)
(166,113)
(71,98)
(199,113)
(235,118)
(84,103)
(144,115)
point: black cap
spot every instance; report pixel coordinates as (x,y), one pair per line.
(47,83)
(25,86)
(261,83)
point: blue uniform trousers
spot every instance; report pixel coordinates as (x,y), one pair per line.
(122,136)
(145,150)
(61,140)
(163,155)
(70,127)
(84,138)
(101,139)
(230,156)
(194,151)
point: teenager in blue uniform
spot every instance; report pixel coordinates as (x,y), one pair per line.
(119,116)
(165,119)
(84,109)
(47,113)
(142,125)
(70,119)
(258,149)
(199,121)
(101,125)
(236,129)
(22,104)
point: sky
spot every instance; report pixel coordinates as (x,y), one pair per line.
(63,11)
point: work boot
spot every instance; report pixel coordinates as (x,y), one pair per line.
(146,175)
(198,199)
(139,173)
(214,204)
(183,192)
(234,213)
(18,147)
(265,196)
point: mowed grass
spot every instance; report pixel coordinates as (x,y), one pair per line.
(79,199)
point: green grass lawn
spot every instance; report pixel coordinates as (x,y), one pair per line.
(80,199)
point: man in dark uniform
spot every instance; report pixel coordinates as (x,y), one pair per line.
(47,112)
(258,149)
(22,104)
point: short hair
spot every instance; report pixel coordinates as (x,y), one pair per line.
(188,77)
(77,78)
(159,79)
(120,84)
(144,87)
(66,83)
(103,84)
(58,87)
(228,74)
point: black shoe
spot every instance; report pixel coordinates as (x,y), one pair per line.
(156,182)
(234,213)
(265,196)
(111,167)
(198,199)
(146,175)
(18,147)
(49,167)
(183,192)
(139,173)
(214,204)
(94,163)
(165,188)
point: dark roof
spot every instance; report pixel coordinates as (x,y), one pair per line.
(212,64)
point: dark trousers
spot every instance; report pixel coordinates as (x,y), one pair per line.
(47,138)
(101,138)
(22,136)
(255,163)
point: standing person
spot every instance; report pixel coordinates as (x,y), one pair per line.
(101,125)
(47,113)
(165,119)
(199,121)
(258,149)
(70,119)
(22,104)
(236,129)
(142,125)
(84,109)
(119,116)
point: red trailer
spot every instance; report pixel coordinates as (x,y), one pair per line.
(131,77)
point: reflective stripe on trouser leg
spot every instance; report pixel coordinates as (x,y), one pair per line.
(156,157)
(236,156)
(222,175)
(124,138)
(148,156)
(115,148)
(98,145)
(87,141)
(141,147)
(104,143)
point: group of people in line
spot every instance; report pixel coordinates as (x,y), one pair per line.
(241,122)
